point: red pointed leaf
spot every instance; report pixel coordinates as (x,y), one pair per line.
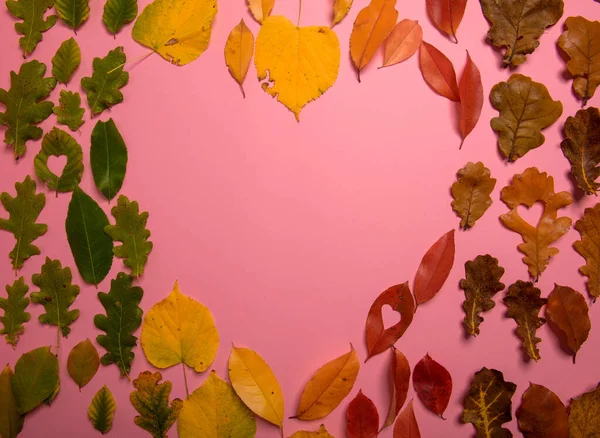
(433,385)
(446,15)
(438,72)
(471,98)
(542,414)
(406,425)
(434,268)
(400,373)
(363,419)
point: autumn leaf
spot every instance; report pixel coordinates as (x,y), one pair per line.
(260,9)
(108,158)
(73,12)
(32,13)
(438,72)
(434,269)
(102,88)
(400,373)
(321,433)
(11,423)
(516,25)
(328,387)
(399,298)
(581,147)
(372,26)
(581,43)
(403,42)
(57,143)
(117,13)
(177,30)
(35,379)
(340,10)
(471,98)
(525,109)
(69,111)
(83,363)
(524,304)
(584,415)
(482,282)
(66,60)
(589,248)
(446,15)
(526,189)
(406,425)
(568,312)
(14,306)
(542,414)
(238,52)
(362,417)
(102,410)
(471,193)
(488,403)
(302,62)
(433,385)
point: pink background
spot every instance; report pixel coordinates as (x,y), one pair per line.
(288,231)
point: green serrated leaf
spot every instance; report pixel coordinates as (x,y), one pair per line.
(117,13)
(69,112)
(108,158)
(102,87)
(130,229)
(55,144)
(32,13)
(73,12)
(66,60)
(36,378)
(14,312)
(11,423)
(83,363)
(102,410)
(23,211)
(123,317)
(24,106)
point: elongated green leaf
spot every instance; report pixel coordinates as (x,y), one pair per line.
(102,410)
(56,143)
(11,423)
(14,312)
(36,378)
(23,211)
(66,60)
(83,363)
(108,157)
(117,13)
(32,13)
(90,245)
(69,111)
(123,317)
(73,12)
(102,87)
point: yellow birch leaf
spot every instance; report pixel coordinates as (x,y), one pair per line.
(179,329)
(238,52)
(177,30)
(303,62)
(340,10)
(260,9)
(328,387)
(256,384)
(321,433)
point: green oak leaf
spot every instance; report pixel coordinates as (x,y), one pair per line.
(117,13)
(36,378)
(66,60)
(73,12)
(55,144)
(83,363)
(23,211)
(69,111)
(123,317)
(102,410)
(24,106)
(108,158)
(102,87)
(32,14)
(11,423)
(14,312)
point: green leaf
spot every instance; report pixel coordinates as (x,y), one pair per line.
(66,60)
(117,13)
(69,112)
(56,294)
(123,317)
(36,378)
(24,106)
(56,143)
(108,158)
(23,211)
(32,13)
(151,400)
(130,229)
(90,245)
(14,312)
(83,363)
(73,12)
(102,410)
(102,87)
(11,423)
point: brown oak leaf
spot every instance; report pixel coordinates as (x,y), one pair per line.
(589,248)
(542,414)
(584,415)
(471,193)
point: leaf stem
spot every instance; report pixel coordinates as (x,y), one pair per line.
(299,12)
(139,58)
(187,391)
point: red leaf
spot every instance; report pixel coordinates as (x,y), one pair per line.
(406,425)
(438,72)
(363,419)
(433,385)
(400,300)
(434,268)
(471,98)
(446,15)
(542,414)
(400,382)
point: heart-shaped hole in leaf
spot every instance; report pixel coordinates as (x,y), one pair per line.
(57,164)
(390,316)
(533,214)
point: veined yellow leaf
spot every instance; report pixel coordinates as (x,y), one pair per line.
(102,410)
(260,9)
(340,10)
(238,52)
(321,433)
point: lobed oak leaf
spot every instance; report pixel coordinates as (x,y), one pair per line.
(542,414)
(362,417)
(589,248)
(584,415)
(102,410)
(446,15)
(83,363)
(238,52)
(406,425)
(438,72)
(400,373)
(32,13)
(403,42)
(470,91)
(69,111)
(58,143)
(340,10)
(434,269)
(15,316)
(471,193)
(102,88)
(433,385)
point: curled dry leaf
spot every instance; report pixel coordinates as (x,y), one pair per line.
(438,72)
(260,9)
(525,109)
(362,417)
(434,268)
(403,42)
(433,385)
(542,414)
(398,297)
(471,193)
(446,15)
(321,433)
(584,415)
(400,373)
(406,425)
(238,52)
(471,98)
(340,10)
(589,248)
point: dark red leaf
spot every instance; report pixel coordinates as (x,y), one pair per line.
(433,385)
(438,72)
(406,425)
(434,268)
(400,371)
(542,414)
(471,98)
(363,419)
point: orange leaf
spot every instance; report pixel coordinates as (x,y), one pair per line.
(433,385)
(403,42)
(446,15)
(406,425)
(400,382)
(363,419)
(434,268)
(542,414)
(471,98)
(438,72)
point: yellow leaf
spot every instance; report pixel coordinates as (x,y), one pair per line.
(340,10)
(255,383)
(238,52)
(179,329)
(215,411)
(321,433)
(260,9)
(328,387)
(178,30)
(302,62)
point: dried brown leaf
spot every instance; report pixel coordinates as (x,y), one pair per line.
(542,414)
(471,193)
(584,415)
(589,248)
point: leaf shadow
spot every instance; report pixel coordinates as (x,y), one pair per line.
(576,192)
(559,338)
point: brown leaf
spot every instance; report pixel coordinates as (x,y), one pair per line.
(446,15)
(517,24)
(438,72)
(406,426)
(584,415)
(525,109)
(542,414)
(403,42)
(581,147)
(399,299)
(581,42)
(471,98)
(568,311)
(482,282)
(362,416)
(526,189)
(400,373)
(488,403)
(433,385)
(589,248)
(471,193)
(524,304)
(434,268)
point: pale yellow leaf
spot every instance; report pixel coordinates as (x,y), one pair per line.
(321,433)
(340,10)
(238,52)
(260,9)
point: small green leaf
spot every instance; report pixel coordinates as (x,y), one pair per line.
(108,157)
(11,423)
(32,13)
(73,12)
(36,378)
(56,143)
(14,312)
(83,363)
(117,13)
(69,112)
(102,410)
(123,317)
(23,211)
(66,60)
(102,87)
